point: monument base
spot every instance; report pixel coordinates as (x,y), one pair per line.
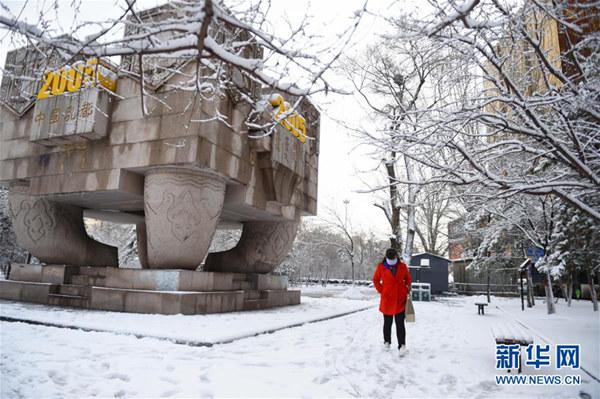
(168,291)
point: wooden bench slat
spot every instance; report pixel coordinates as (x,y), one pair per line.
(511,334)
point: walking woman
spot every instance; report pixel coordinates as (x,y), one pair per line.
(392,280)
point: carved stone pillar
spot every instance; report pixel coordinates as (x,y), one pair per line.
(182,208)
(262,247)
(142,244)
(55,233)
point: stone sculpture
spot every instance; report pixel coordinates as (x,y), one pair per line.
(63,156)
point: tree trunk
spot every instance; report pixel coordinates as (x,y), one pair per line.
(522,299)
(592,290)
(569,289)
(563,290)
(410,213)
(549,295)
(396,238)
(530,299)
(488,285)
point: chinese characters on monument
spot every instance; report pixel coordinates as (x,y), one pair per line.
(73,105)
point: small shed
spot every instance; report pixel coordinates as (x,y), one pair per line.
(429,268)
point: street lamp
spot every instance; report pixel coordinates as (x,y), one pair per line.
(346,202)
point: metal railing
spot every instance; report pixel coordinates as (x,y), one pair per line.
(481,288)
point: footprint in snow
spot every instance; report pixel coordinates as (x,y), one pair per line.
(118,376)
(321,380)
(448,380)
(169,393)
(485,386)
(57,379)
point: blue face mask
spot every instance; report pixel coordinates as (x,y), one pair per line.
(391,265)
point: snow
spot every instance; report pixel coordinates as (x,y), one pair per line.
(511,331)
(198,329)
(451,353)
(578,324)
(354,293)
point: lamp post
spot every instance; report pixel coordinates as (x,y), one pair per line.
(346,202)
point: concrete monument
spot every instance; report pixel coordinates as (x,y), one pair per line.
(77,142)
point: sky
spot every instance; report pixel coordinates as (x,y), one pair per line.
(345,168)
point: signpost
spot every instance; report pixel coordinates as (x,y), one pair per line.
(535,252)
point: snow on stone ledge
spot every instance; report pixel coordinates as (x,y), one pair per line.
(205,329)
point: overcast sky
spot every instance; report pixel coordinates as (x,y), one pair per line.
(344,164)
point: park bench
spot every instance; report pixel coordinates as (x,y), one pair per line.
(481,303)
(511,334)
(481,307)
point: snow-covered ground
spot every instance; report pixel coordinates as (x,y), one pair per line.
(451,352)
(578,324)
(199,329)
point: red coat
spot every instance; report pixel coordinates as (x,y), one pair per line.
(393,289)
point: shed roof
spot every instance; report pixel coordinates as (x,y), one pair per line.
(430,254)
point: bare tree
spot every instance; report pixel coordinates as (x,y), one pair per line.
(320,253)
(536,68)
(212,47)
(341,223)
(513,107)
(391,206)
(436,205)
(395,79)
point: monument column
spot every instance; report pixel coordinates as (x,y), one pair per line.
(262,247)
(54,232)
(142,244)
(182,208)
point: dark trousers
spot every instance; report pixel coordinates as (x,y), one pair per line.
(400,330)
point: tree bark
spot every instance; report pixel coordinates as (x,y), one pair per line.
(410,213)
(549,295)
(563,290)
(530,298)
(569,289)
(396,238)
(488,285)
(592,290)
